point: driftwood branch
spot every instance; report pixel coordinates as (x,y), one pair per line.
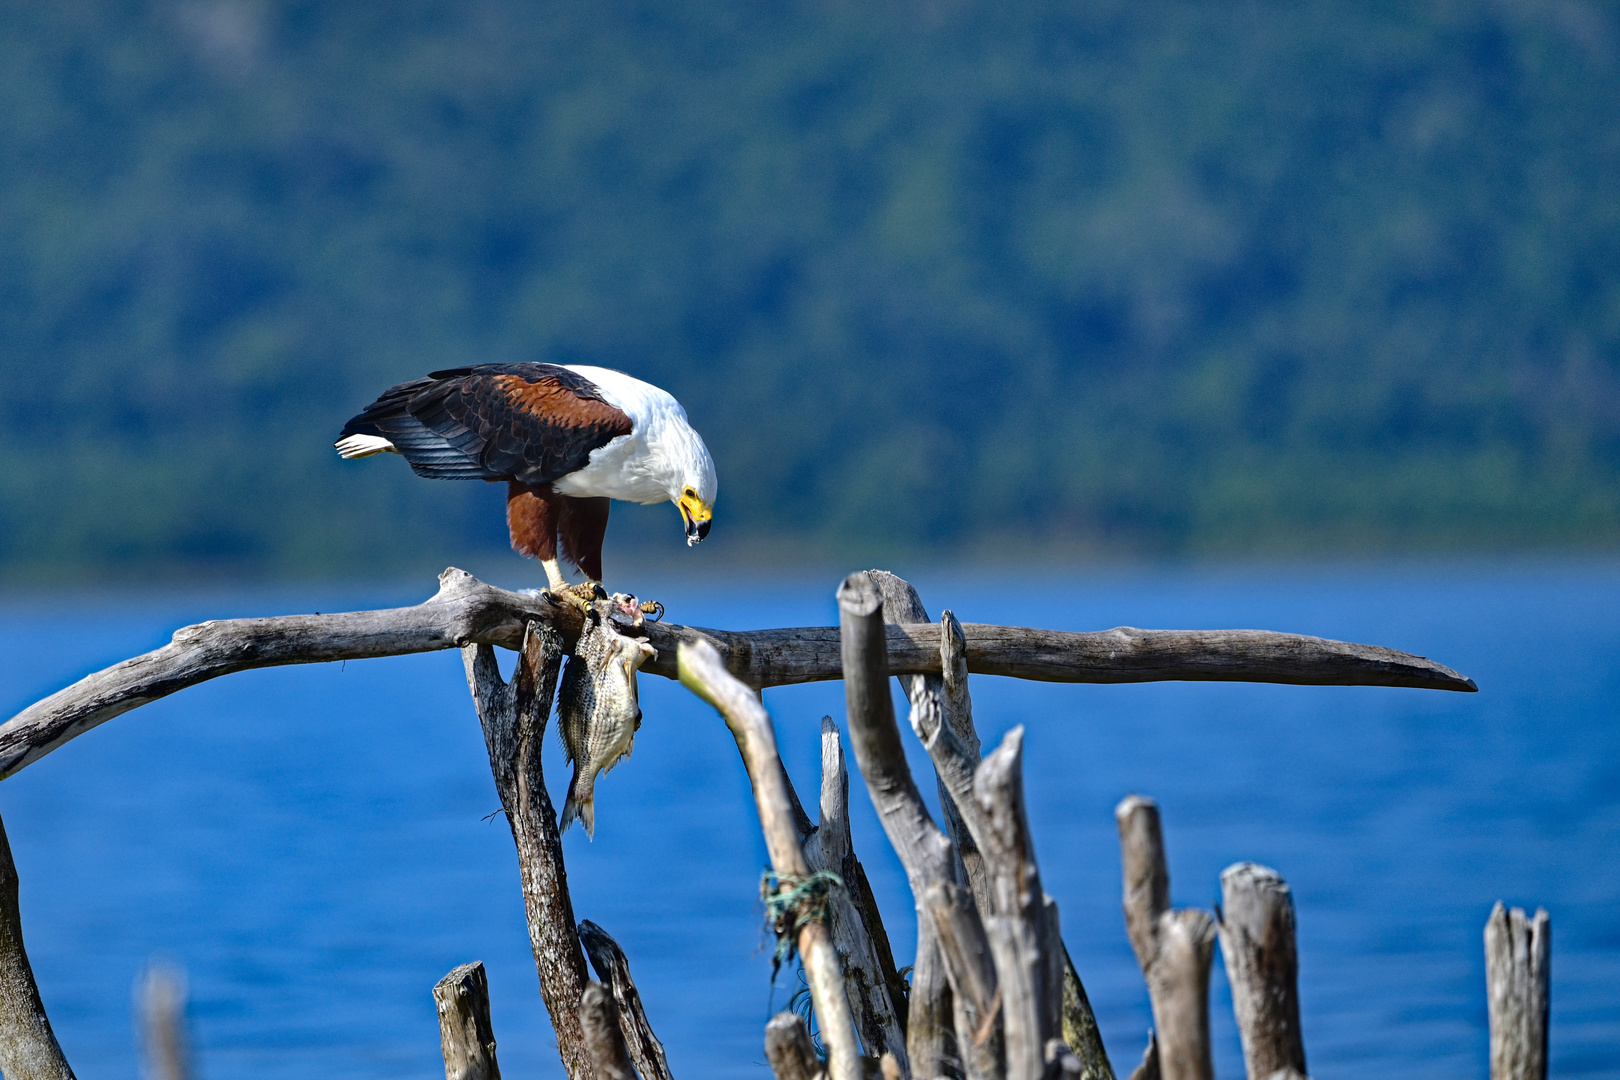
(513,716)
(1256,926)
(1174,948)
(465,611)
(466,1037)
(926,853)
(1080,1026)
(1518,972)
(599,1018)
(702,672)
(1148,1069)
(28,1047)
(160,1005)
(869,975)
(646,1052)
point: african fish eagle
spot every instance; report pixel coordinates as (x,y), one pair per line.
(566,438)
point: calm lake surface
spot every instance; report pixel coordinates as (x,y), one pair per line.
(312,844)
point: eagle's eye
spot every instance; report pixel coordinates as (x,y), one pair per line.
(690,494)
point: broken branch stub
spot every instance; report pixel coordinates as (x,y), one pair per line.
(613,969)
(599,1019)
(28,1046)
(789,1050)
(1256,926)
(1518,974)
(513,717)
(466,1038)
(1174,948)
(702,672)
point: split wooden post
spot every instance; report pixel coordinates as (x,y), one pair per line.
(646,1051)
(1174,948)
(599,1018)
(789,1050)
(28,1046)
(513,716)
(160,1005)
(1256,926)
(702,672)
(1518,979)
(924,851)
(869,975)
(466,1038)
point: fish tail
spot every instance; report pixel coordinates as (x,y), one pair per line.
(580,806)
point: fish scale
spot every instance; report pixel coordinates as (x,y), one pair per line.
(598,711)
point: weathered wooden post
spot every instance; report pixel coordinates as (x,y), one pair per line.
(613,969)
(1518,979)
(466,1038)
(702,672)
(28,1046)
(1256,924)
(599,1018)
(513,716)
(1174,948)
(160,1007)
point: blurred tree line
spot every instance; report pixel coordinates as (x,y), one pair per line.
(1001,278)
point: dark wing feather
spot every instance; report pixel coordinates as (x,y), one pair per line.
(527,422)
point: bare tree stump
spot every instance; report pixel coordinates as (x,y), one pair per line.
(702,672)
(466,1038)
(28,1047)
(1256,926)
(1174,948)
(160,1006)
(1518,974)
(868,980)
(788,1049)
(599,1018)
(513,716)
(646,1052)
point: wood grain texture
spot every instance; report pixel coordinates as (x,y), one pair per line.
(513,717)
(1174,948)
(28,1046)
(160,1006)
(466,611)
(466,1038)
(925,852)
(1257,934)
(702,672)
(613,969)
(1518,980)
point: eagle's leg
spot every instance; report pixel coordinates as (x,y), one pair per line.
(532,517)
(554,575)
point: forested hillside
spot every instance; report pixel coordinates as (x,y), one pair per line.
(1085,277)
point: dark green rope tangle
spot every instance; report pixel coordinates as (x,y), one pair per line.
(790,903)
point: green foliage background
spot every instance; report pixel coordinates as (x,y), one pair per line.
(1041,278)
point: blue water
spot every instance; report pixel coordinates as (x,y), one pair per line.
(312,843)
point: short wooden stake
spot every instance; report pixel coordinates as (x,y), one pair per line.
(1518,970)
(465,1036)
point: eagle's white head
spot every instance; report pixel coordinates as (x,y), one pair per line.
(693,485)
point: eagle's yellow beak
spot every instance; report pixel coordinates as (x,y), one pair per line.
(697,514)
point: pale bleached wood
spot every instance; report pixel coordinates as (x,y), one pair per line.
(466,1038)
(925,852)
(160,1006)
(702,672)
(613,969)
(1256,927)
(513,716)
(789,1050)
(1174,948)
(1518,973)
(604,1040)
(1028,967)
(466,611)
(975,994)
(829,847)
(28,1046)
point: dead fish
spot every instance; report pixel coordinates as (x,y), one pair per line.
(598,711)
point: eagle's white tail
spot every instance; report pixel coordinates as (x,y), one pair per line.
(357,446)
